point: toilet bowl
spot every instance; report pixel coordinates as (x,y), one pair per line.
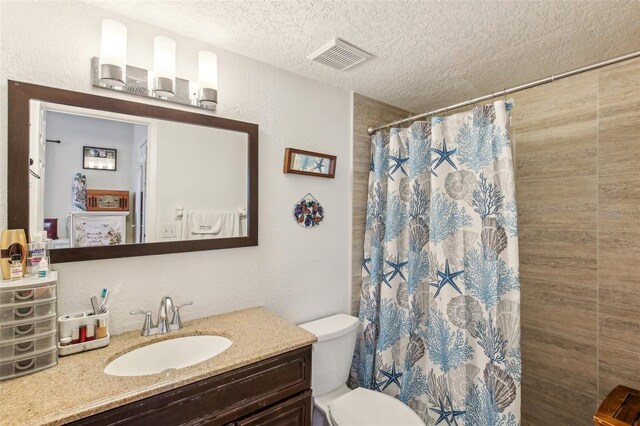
(334,403)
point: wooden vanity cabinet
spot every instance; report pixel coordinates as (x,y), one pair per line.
(275,391)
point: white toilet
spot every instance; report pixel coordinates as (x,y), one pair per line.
(331,362)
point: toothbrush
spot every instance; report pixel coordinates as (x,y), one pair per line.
(103,304)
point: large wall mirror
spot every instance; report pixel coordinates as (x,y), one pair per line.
(106,178)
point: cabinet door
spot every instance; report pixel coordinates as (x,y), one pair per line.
(295,411)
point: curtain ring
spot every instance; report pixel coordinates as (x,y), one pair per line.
(504,93)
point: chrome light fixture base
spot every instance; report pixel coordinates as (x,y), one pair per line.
(208,98)
(112,75)
(163,87)
(136,82)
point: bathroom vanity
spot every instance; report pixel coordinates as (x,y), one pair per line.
(263,378)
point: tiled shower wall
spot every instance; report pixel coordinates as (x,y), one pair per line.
(577,146)
(366,112)
(577,176)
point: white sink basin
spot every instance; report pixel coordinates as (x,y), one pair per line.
(169,354)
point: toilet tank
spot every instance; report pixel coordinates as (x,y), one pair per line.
(333,352)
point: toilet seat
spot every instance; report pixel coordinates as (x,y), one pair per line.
(364,407)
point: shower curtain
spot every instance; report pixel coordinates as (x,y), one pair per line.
(440,299)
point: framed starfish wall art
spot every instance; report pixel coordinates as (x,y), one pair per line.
(309,163)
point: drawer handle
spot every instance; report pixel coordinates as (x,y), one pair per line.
(25,346)
(25,312)
(19,331)
(24,294)
(29,363)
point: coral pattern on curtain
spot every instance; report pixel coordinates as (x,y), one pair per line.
(440,299)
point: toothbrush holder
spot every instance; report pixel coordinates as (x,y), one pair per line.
(68,323)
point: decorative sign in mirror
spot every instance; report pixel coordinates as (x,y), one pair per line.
(99,158)
(205,165)
(309,163)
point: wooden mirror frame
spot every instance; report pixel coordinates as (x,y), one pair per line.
(18,168)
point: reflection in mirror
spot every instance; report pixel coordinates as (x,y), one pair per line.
(187,204)
(102,178)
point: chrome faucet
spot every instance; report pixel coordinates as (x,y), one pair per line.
(166,307)
(165,324)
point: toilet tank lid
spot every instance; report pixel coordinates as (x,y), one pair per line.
(331,327)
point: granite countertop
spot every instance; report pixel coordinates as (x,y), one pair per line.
(77,387)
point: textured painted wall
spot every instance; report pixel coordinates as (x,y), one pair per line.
(298,273)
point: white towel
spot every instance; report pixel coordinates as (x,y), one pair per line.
(204,224)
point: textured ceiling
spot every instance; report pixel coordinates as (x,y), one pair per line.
(427,54)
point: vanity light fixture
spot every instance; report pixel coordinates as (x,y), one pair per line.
(208,78)
(113,53)
(110,71)
(164,66)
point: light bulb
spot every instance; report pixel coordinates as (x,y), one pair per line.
(164,60)
(113,53)
(208,78)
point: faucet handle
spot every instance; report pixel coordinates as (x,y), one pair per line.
(176,320)
(148,325)
(190,302)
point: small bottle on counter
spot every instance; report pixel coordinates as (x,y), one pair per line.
(101,329)
(75,336)
(91,332)
(43,268)
(16,267)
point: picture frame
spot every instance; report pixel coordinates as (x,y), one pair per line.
(309,163)
(96,158)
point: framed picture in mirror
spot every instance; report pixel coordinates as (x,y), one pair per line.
(99,158)
(309,163)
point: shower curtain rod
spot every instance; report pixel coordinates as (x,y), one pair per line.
(372,130)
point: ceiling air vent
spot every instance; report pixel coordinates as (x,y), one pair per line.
(339,55)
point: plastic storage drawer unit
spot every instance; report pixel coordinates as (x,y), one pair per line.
(26,365)
(28,327)
(27,346)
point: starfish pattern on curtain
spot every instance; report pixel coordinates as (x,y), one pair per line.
(440,298)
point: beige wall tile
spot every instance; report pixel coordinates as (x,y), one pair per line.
(562,203)
(619,319)
(559,306)
(619,261)
(557,126)
(617,367)
(565,150)
(369,112)
(568,360)
(562,256)
(619,118)
(619,203)
(619,89)
(553,105)
(544,403)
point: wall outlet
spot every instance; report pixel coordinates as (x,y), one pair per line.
(168,231)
